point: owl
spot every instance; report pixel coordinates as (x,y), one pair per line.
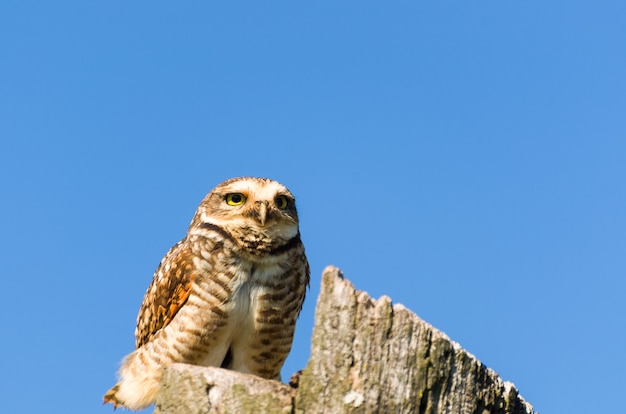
(227,295)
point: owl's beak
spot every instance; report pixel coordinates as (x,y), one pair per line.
(262,213)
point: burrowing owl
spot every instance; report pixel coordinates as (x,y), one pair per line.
(226,295)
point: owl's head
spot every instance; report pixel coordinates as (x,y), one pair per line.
(249,204)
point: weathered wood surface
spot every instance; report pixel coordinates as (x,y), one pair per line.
(368,356)
(188,389)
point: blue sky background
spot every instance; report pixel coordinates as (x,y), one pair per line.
(467,159)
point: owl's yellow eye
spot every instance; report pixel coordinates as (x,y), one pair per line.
(281,202)
(235,199)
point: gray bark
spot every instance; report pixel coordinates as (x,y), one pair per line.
(188,389)
(368,356)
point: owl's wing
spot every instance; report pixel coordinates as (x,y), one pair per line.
(168,292)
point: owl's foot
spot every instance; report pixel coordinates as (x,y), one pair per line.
(294,381)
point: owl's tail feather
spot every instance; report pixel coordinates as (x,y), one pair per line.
(111,398)
(138,383)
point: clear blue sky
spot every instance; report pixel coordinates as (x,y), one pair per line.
(468,159)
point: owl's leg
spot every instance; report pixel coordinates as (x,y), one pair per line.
(263,352)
